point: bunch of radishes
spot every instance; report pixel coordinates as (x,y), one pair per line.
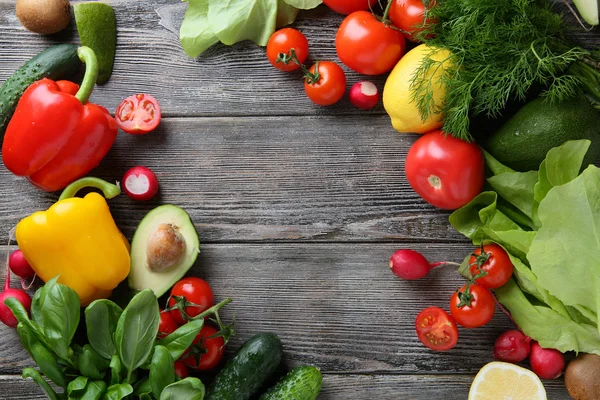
(20,267)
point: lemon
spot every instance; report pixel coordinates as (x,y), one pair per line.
(503,381)
(397,96)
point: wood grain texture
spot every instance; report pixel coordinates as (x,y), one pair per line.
(265,179)
(236,80)
(343,387)
(337,306)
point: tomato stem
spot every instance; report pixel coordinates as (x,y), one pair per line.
(385,20)
(291,56)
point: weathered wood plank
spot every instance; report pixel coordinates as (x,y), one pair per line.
(265,179)
(337,306)
(343,387)
(235,80)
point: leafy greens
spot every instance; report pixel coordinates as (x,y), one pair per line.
(549,222)
(208,22)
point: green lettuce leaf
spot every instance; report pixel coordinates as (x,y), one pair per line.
(233,21)
(565,254)
(286,14)
(195,34)
(304,4)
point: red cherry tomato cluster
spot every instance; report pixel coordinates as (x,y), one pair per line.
(471,306)
(188,298)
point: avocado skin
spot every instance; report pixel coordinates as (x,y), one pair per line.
(524,140)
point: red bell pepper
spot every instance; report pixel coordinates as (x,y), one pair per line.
(56,136)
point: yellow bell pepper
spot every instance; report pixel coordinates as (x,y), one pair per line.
(77,239)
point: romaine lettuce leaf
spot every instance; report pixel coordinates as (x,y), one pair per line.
(233,21)
(195,34)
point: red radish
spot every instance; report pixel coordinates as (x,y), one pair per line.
(20,267)
(410,264)
(512,346)
(140,183)
(6,315)
(546,363)
(364,95)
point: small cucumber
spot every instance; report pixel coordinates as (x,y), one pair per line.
(57,62)
(248,370)
(302,383)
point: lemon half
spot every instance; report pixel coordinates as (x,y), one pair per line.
(504,381)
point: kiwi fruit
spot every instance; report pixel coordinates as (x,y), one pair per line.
(582,377)
(44,16)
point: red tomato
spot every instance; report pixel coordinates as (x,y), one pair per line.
(181,369)
(480,310)
(445,171)
(331,86)
(368,46)
(409,15)
(283,41)
(194,290)
(138,114)
(205,352)
(167,324)
(498,266)
(349,6)
(436,329)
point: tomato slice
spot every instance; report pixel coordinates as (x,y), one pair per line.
(138,114)
(436,329)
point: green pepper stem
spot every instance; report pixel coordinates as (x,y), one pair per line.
(88,57)
(110,190)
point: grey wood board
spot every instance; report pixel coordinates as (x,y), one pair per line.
(225,80)
(337,306)
(342,387)
(262,179)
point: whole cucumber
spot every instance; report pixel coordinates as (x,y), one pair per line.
(248,370)
(57,62)
(302,383)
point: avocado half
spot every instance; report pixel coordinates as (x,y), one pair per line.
(164,247)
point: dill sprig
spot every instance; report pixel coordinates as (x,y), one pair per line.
(501,49)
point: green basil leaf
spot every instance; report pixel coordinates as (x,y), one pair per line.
(101,318)
(93,391)
(233,21)
(185,389)
(116,370)
(91,364)
(60,317)
(304,4)
(77,385)
(145,396)
(41,355)
(137,329)
(143,387)
(37,303)
(37,378)
(178,341)
(195,33)
(118,392)
(162,370)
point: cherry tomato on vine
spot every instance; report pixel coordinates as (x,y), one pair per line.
(167,324)
(181,369)
(138,114)
(446,172)
(206,352)
(436,329)
(194,290)
(367,45)
(331,85)
(498,266)
(478,312)
(409,15)
(349,6)
(282,41)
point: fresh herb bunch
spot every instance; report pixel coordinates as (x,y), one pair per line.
(121,358)
(501,50)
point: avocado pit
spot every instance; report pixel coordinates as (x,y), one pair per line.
(165,247)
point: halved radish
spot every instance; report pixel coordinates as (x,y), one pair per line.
(364,95)
(140,183)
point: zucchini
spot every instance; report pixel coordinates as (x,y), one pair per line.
(248,370)
(302,383)
(57,62)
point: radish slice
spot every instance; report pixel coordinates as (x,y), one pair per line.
(364,95)
(140,183)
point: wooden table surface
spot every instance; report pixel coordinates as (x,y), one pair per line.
(298,207)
